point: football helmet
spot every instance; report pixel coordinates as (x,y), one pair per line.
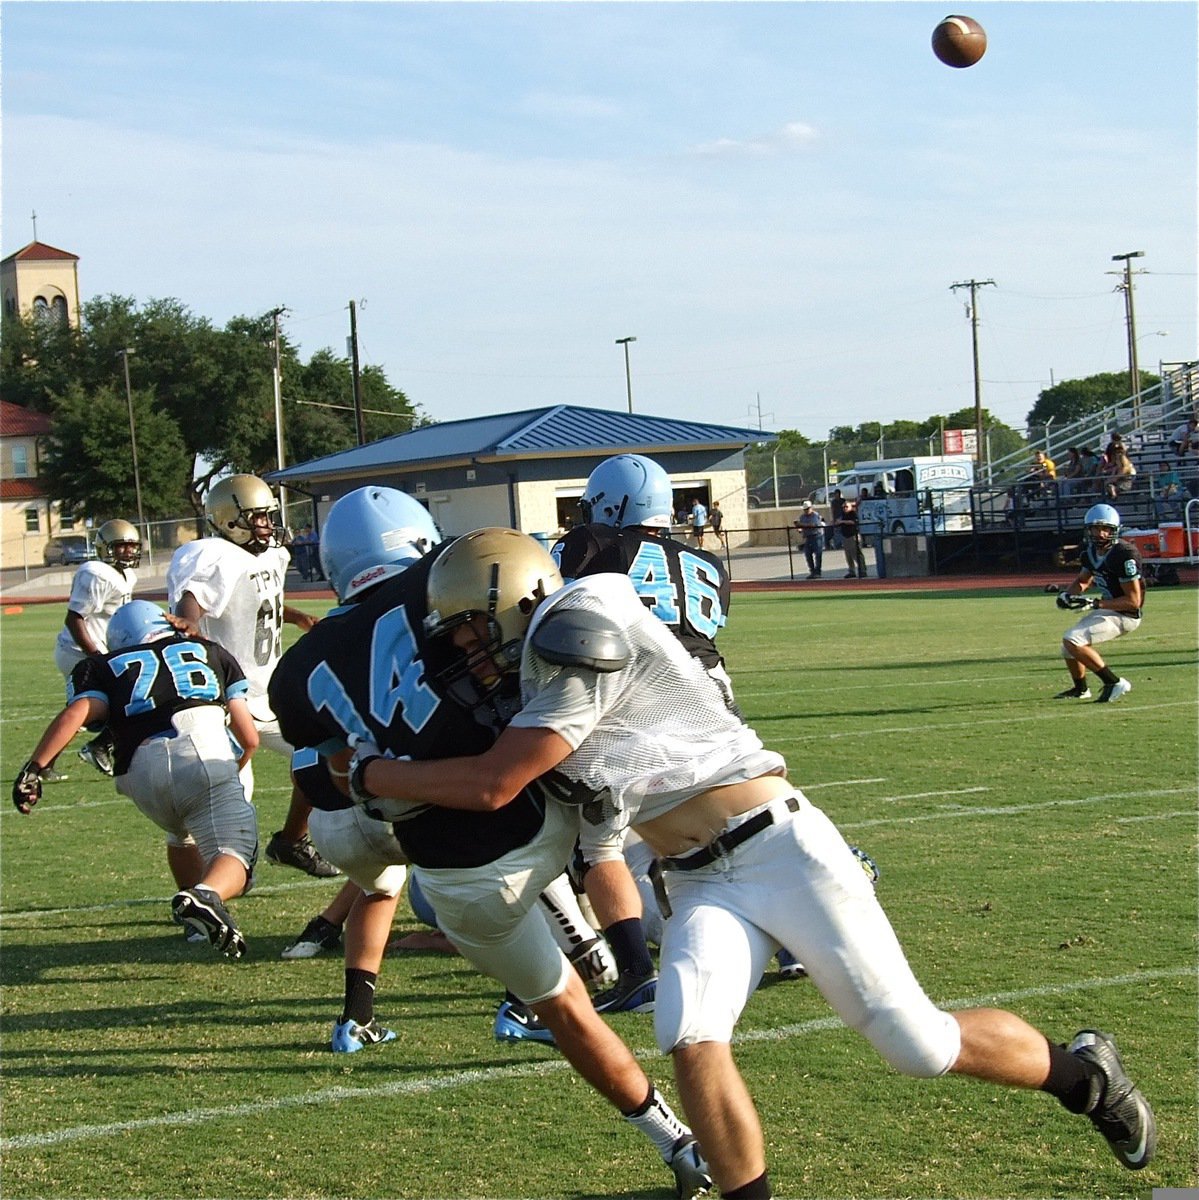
(233,508)
(137,622)
(628,489)
(371,534)
(119,544)
(498,575)
(1102,524)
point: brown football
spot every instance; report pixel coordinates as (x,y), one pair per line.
(959,41)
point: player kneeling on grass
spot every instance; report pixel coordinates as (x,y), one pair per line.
(1115,569)
(164,695)
(633,726)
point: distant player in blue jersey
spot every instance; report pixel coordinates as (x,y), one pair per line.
(1114,567)
(164,696)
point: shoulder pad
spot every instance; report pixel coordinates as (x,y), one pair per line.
(574,637)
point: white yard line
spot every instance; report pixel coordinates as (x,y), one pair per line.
(488,1076)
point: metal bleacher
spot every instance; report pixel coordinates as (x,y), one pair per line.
(1016,518)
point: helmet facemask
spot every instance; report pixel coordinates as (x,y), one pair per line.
(120,544)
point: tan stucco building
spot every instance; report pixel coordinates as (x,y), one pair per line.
(41,280)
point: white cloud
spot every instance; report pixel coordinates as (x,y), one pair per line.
(794,135)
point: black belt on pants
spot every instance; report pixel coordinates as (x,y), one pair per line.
(726,843)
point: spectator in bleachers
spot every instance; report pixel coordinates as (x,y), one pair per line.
(1040,477)
(1185,437)
(1070,477)
(1118,472)
(1168,494)
(1092,471)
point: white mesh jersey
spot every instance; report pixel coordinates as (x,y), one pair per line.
(97,591)
(242,598)
(649,736)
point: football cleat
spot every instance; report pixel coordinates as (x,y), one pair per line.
(595,964)
(630,993)
(691,1177)
(1117,1108)
(516,1022)
(349,1037)
(50,775)
(789,966)
(98,753)
(302,855)
(316,936)
(200,908)
(1083,693)
(1113,691)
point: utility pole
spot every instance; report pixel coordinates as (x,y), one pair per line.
(628,377)
(359,426)
(974,285)
(137,479)
(1134,373)
(276,313)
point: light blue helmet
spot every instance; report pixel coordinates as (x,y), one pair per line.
(137,622)
(371,534)
(628,489)
(1102,524)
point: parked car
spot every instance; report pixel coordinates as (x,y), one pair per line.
(66,551)
(790,491)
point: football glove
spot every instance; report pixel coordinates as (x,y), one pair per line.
(27,789)
(1066,600)
(365,752)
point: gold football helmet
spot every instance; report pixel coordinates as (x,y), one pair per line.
(119,544)
(235,508)
(498,576)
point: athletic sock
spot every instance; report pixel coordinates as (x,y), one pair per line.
(655,1118)
(755,1189)
(627,941)
(360,996)
(1108,676)
(1070,1079)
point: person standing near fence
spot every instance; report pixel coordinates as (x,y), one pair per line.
(851,543)
(716,520)
(811,527)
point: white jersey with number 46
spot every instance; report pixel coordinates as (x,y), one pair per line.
(242,598)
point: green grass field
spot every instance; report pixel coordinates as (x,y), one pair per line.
(1037,855)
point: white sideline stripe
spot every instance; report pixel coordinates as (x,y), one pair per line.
(488,1075)
(1166,816)
(43,807)
(259,890)
(940,814)
(1047,714)
(1007,810)
(927,795)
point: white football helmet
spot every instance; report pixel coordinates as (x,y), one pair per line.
(119,544)
(243,510)
(499,576)
(1102,524)
(628,489)
(371,534)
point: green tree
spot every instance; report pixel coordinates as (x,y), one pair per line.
(1075,398)
(89,464)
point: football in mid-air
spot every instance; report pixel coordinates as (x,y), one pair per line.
(959,41)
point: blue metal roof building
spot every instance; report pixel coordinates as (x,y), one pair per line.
(526,469)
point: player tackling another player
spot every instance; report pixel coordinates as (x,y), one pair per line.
(638,734)
(1114,568)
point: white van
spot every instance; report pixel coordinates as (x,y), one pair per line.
(911,495)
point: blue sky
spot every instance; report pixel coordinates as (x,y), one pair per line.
(773,198)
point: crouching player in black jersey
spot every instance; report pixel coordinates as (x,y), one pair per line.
(164,695)
(357,678)
(1114,568)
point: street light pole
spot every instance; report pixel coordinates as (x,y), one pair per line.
(137,479)
(1134,373)
(628,377)
(974,285)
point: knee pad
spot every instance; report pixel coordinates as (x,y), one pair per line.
(922,1042)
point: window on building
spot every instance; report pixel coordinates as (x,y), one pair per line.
(58,309)
(20,462)
(66,521)
(41,310)
(10,304)
(33,520)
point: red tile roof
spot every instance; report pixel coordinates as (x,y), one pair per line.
(21,489)
(39,250)
(18,421)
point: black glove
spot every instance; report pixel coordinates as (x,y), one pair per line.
(1066,600)
(27,790)
(1063,600)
